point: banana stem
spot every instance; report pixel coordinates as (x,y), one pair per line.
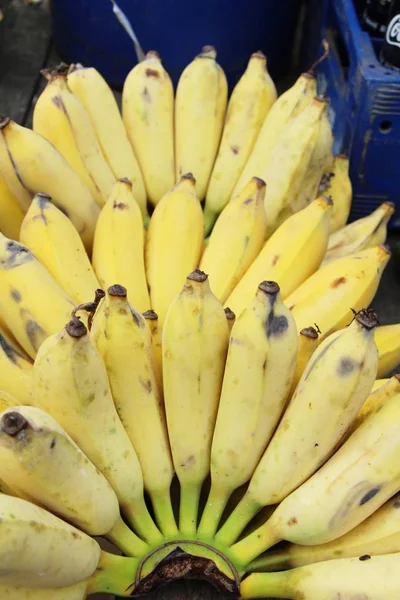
(253,545)
(237,520)
(128,542)
(189,508)
(139,518)
(165,517)
(267,585)
(114,575)
(216,503)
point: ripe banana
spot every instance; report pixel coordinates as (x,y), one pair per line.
(361,476)
(40,550)
(308,343)
(152,321)
(148,113)
(15,370)
(375,400)
(387,338)
(361,234)
(61,118)
(53,239)
(288,105)
(70,382)
(174,243)
(337,184)
(379,534)
(123,339)
(31,164)
(262,350)
(99,102)
(329,395)
(200,105)
(118,254)
(236,239)
(364,577)
(290,256)
(31,317)
(194,344)
(248,106)
(328,296)
(11,214)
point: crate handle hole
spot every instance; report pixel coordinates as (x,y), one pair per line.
(385,126)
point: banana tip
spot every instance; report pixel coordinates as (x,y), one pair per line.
(309,332)
(198,276)
(269,287)
(117,290)
(125,180)
(230,315)
(150,315)
(152,54)
(75,328)
(4,121)
(208,52)
(12,423)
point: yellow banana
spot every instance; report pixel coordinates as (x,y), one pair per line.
(72,592)
(337,184)
(200,105)
(99,102)
(11,214)
(173,243)
(123,339)
(6,401)
(31,317)
(236,239)
(248,106)
(347,578)
(308,342)
(15,370)
(290,256)
(70,382)
(195,342)
(387,338)
(375,400)
(361,476)
(327,399)
(230,317)
(152,321)
(361,234)
(32,164)
(118,254)
(328,296)
(61,118)
(263,350)
(288,105)
(53,239)
(379,382)
(148,113)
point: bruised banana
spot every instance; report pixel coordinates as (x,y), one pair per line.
(228,256)
(29,164)
(99,101)
(290,256)
(263,350)
(387,338)
(118,254)
(248,106)
(322,416)
(70,382)
(328,296)
(30,317)
(11,213)
(200,104)
(15,370)
(308,343)
(361,234)
(148,113)
(337,184)
(61,118)
(53,239)
(152,321)
(194,343)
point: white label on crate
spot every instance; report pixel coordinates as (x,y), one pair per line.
(393,31)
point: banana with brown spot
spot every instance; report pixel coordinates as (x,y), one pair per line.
(337,184)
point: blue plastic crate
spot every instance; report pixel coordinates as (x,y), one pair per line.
(365,102)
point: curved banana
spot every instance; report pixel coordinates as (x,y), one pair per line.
(290,256)
(200,105)
(263,350)
(288,105)
(172,251)
(328,397)
(61,118)
(123,339)
(15,370)
(375,400)
(308,343)
(236,239)
(53,239)
(31,317)
(387,338)
(148,113)
(361,476)
(347,578)
(70,382)
(118,254)
(361,234)
(99,102)
(156,344)
(195,342)
(31,164)
(337,184)
(250,101)
(11,214)
(328,296)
